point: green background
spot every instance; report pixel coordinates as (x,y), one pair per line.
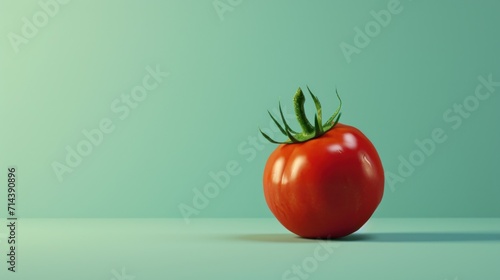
(225,72)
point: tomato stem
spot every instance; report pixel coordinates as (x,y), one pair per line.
(298,104)
(308,130)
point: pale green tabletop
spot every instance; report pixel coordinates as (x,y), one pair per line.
(151,249)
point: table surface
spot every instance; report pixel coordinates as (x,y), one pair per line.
(146,249)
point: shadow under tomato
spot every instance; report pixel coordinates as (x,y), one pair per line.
(273,238)
(390,237)
(410,237)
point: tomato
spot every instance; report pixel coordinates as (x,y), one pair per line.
(325,186)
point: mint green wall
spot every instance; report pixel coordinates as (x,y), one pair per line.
(228,62)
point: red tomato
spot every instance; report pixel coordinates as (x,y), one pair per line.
(326,187)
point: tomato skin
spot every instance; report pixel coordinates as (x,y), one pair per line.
(327,187)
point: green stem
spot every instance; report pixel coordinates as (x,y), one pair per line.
(308,130)
(298,103)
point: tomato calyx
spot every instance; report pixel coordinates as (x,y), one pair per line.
(309,131)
